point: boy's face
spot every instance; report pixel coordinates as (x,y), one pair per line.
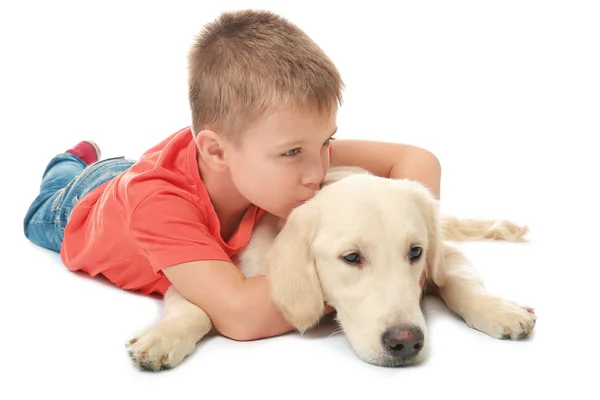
(282,159)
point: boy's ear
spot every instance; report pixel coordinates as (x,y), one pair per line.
(211,149)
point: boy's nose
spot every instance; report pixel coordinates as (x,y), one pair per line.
(312,179)
(313,187)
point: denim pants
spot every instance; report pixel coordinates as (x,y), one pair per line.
(66,180)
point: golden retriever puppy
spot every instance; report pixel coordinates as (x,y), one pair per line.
(370,247)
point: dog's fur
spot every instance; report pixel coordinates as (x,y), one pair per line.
(376,297)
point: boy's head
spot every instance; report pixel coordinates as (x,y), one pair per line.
(247,64)
(264,100)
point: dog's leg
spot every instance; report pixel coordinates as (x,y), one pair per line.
(464,294)
(166,343)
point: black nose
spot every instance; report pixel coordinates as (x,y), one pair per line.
(403,341)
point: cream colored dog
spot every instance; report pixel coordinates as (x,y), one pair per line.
(363,245)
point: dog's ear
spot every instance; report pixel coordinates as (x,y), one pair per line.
(291,271)
(434,252)
(336,173)
(434,256)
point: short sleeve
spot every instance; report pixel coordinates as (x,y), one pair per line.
(171,230)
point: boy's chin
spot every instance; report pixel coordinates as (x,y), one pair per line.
(283,213)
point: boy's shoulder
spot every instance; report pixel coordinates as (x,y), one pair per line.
(165,176)
(170,166)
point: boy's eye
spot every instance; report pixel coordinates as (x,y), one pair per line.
(291,153)
(297,150)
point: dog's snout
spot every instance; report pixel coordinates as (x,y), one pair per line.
(403,342)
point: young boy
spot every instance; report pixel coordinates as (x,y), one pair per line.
(264,100)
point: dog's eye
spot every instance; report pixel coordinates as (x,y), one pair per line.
(352,258)
(415,252)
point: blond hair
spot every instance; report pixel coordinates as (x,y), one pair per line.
(247,64)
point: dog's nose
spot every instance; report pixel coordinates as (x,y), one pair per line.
(403,341)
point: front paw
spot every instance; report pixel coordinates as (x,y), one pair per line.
(163,346)
(502,319)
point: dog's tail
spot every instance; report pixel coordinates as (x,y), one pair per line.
(461,230)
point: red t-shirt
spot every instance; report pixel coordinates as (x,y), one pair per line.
(154,215)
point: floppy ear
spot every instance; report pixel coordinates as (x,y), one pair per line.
(434,258)
(336,173)
(435,265)
(291,271)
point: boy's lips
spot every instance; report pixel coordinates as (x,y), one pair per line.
(304,200)
(308,198)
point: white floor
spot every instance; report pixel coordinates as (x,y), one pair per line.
(505,95)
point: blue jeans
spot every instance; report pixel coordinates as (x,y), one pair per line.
(66,180)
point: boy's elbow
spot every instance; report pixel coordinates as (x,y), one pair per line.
(240,332)
(252,315)
(434,160)
(421,165)
(426,157)
(423,159)
(248,324)
(243,334)
(240,326)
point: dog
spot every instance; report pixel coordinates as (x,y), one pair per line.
(370,247)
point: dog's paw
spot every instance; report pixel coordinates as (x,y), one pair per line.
(502,319)
(162,346)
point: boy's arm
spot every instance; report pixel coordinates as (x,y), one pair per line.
(236,306)
(390,160)
(239,308)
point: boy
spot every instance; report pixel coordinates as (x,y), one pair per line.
(264,100)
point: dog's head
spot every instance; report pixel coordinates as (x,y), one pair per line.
(361,245)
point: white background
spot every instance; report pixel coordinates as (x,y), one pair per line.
(506,94)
